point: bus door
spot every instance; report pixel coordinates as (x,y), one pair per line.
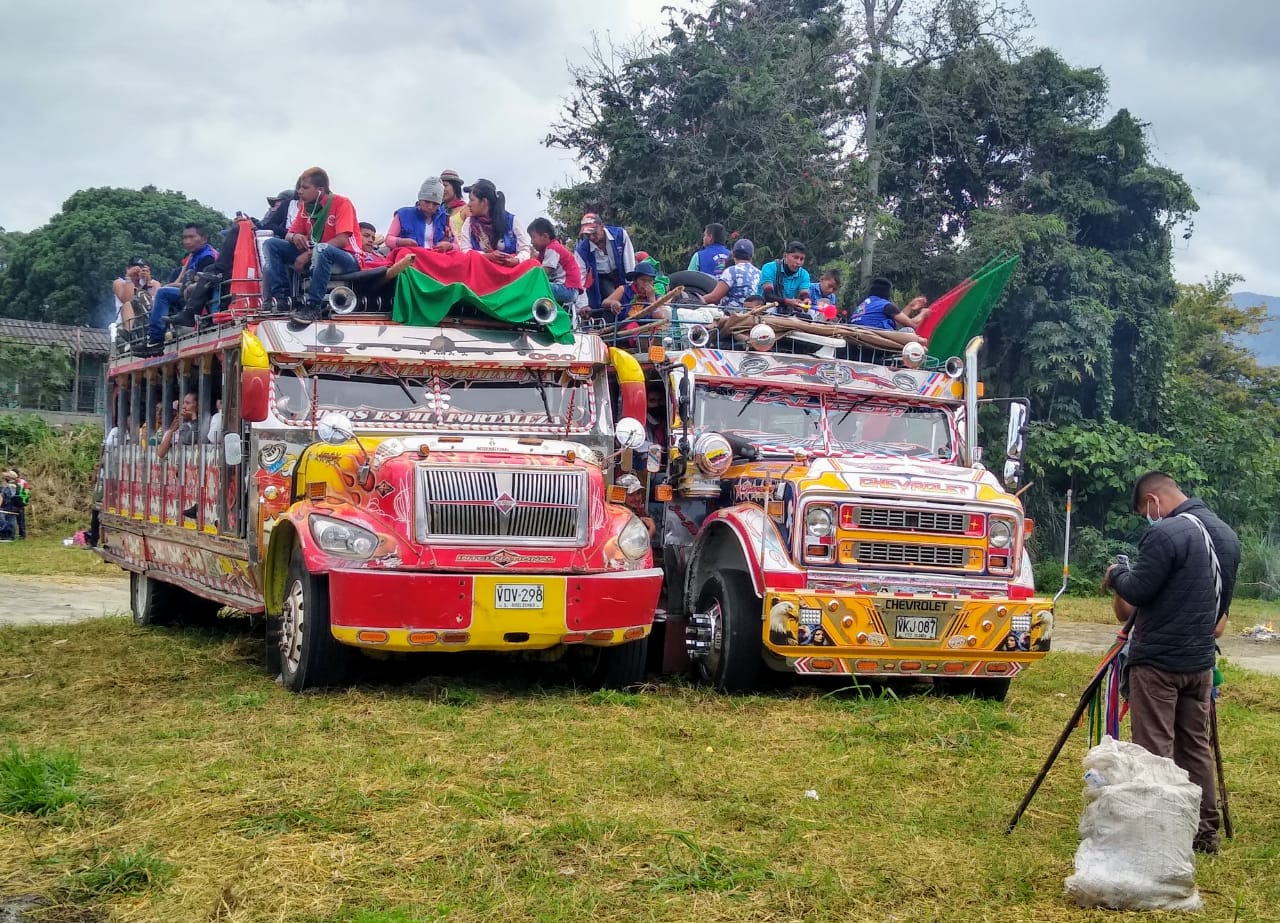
(232,495)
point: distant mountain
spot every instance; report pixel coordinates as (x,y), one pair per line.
(1266,346)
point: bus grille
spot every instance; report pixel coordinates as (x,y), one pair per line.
(921,555)
(513,504)
(893,519)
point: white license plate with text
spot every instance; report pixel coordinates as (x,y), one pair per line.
(517,596)
(917,627)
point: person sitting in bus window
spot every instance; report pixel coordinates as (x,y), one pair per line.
(456,205)
(786,281)
(714,255)
(739,280)
(823,295)
(170,297)
(878,311)
(214,430)
(557,261)
(425,224)
(491,229)
(325,235)
(182,427)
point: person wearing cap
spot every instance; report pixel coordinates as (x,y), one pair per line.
(605,257)
(454,203)
(878,311)
(490,229)
(325,235)
(739,280)
(17,496)
(714,256)
(639,292)
(425,224)
(282,209)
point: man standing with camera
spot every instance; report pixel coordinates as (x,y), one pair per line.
(1180,587)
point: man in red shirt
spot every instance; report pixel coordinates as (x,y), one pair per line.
(325,234)
(562,269)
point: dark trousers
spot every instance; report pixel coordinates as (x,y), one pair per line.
(1169,716)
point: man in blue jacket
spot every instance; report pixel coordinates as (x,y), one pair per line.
(714,255)
(605,257)
(1180,586)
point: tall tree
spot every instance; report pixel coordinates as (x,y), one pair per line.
(735,116)
(62,272)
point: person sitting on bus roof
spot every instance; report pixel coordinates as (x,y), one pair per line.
(714,255)
(132,291)
(823,296)
(557,261)
(786,281)
(425,224)
(605,256)
(200,256)
(326,235)
(492,230)
(282,208)
(182,427)
(738,280)
(879,312)
(454,202)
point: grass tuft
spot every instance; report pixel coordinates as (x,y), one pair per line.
(38,783)
(115,874)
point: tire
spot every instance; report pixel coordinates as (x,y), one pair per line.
(150,600)
(991,690)
(616,667)
(310,657)
(693,281)
(734,662)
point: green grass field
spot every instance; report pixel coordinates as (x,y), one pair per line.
(46,556)
(180,784)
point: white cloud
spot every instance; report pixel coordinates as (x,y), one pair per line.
(229,101)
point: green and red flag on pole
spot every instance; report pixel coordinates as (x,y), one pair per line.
(437,282)
(958,316)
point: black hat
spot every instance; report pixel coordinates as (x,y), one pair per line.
(138,261)
(481,186)
(285,194)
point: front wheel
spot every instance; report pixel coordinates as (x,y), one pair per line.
(309,655)
(733,613)
(150,600)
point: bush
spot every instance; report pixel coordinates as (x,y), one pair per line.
(1259,576)
(18,433)
(59,464)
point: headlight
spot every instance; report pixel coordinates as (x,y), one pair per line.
(819,522)
(712,454)
(1001,534)
(633,540)
(338,537)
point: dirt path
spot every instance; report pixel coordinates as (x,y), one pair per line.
(1084,637)
(57,600)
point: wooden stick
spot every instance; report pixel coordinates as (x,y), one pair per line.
(678,290)
(1217,759)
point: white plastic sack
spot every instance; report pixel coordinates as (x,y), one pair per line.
(1140,818)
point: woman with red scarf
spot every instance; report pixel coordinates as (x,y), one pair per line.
(490,229)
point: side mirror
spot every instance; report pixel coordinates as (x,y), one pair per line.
(628,431)
(336,428)
(255,392)
(232,450)
(1015,444)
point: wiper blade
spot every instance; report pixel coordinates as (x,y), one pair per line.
(752,399)
(542,393)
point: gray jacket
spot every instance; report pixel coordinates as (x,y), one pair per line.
(1172,584)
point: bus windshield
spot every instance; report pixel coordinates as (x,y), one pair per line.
(776,421)
(540,400)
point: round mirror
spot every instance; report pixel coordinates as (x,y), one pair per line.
(762,336)
(629,432)
(712,454)
(336,428)
(913,354)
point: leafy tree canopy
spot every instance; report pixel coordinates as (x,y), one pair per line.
(62,272)
(736,116)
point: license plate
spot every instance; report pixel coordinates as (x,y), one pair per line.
(517,596)
(917,627)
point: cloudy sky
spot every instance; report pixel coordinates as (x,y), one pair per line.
(230,103)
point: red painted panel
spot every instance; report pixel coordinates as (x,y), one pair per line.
(384,599)
(611,600)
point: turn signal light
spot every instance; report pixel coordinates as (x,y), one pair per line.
(997,668)
(372,637)
(617,494)
(657,354)
(455,637)
(823,664)
(663,493)
(600,634)
(575,637)
(423,637)
(633,634)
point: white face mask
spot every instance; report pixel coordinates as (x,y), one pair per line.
(1152,520)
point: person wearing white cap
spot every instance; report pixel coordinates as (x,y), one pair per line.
(425,224)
